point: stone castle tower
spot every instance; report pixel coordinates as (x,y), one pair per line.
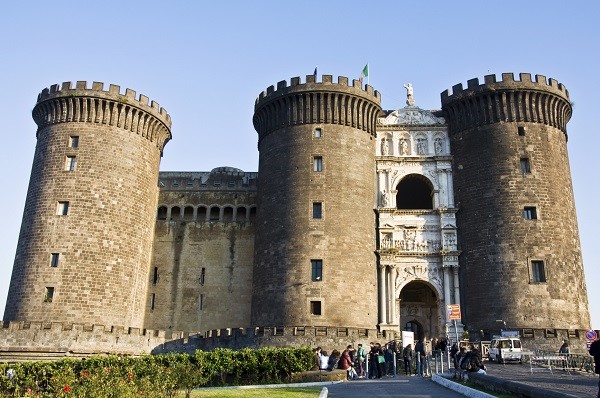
(361,223)
(84,250)
(315,229)
(521,256)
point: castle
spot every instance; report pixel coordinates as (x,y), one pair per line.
(360,223)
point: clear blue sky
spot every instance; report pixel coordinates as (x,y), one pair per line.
(206,62)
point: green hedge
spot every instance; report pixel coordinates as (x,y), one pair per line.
(152,375)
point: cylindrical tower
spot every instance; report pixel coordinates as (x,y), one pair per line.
(85,243)
(315,229)
(521,263)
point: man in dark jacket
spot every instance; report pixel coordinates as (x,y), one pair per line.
(595,352)
(421,357)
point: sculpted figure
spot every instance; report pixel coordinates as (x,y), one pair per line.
(439,146)
(384,199)
(384,147)
(403,147)
(421,146)
(410,101)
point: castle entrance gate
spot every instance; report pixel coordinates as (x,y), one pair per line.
(419,310)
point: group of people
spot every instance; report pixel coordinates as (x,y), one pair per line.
(348,360)
(466,361)
(378,361)
(381,359)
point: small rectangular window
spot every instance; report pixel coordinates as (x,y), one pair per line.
(317,270)
(202,276)
(152,300)
(48,294)
(318,163)
(155,276)
(62,208)
(318,133)
(315,308)
(521,130)
(70,163)
(54,258)
(530,213)
(317,210)
(538,273)
(201,302)
(525,166)
(74,141)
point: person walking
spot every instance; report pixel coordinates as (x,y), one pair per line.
(361,355)
(407,355)
(595,352)
(421,358)
(564,354)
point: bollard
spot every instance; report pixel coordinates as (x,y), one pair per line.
(395,371)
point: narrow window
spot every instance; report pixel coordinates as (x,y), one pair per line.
(525,166)
(317,270)
(317,210)
(201,302)
(48,294)
(318,163)
(162,213)
(202,276)
(62,209)
(530,213)
(521,130)
(152,300)
(315,308)
(318,133)
(155,276)
(54,257)
(74,141)
(70,163)
(538,273)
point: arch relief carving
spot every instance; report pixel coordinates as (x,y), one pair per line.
(406,274)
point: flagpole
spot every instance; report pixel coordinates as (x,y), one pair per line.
(368,74)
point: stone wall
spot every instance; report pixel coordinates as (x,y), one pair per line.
(201,273)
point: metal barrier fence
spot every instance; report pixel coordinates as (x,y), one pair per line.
(543,360)
(436,362)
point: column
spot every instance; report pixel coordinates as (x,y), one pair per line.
(446,271)
(392,314)
(456,286)
(382,298)
(450,186)
(444,192)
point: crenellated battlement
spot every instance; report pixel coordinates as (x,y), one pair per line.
(508,100)
(507,82)
(315,102)
(312,84)
(65,103)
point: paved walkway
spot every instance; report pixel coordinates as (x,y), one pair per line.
(401,386)
(577,384)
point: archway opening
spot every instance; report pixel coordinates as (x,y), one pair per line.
(414,192)
(419,310)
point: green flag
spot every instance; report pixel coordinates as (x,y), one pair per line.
(365,72)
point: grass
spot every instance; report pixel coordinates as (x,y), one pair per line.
(292,392)
(474,386)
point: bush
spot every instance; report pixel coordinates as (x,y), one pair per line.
(152,375)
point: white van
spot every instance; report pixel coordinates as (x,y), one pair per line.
(505,349)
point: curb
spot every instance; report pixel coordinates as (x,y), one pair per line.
(291,385)
(515,387)
(459,388)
